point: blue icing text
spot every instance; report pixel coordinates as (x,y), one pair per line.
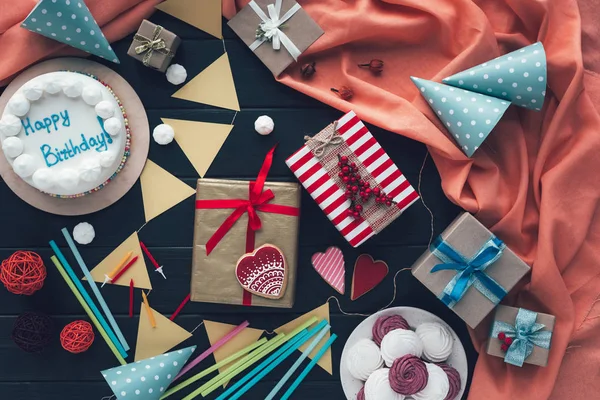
(46,123)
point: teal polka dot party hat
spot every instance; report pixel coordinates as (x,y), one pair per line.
(519,77)
(468,116)
(69,22)
(147,379)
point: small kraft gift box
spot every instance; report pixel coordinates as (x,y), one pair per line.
(521,336)
(469,269)
(234,218)
(277,31)
(154,46)
(348,174)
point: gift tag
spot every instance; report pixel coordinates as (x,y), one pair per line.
(330,265)
(263,272)
(368,273)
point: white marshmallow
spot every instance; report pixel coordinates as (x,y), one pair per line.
(91,95)
(113,126)
(363,359)
(105,109)
(24,165)
(68,179)
(10,125)
(12,146)
(398,343)
(437,384)
(437,341)
(107,159)
(18,105)
(43,179)
(264,125)
(33,90)
(163,134)
(73,88)
(90,169)
(84,233)
(377,387)
(53,86)
(176,74)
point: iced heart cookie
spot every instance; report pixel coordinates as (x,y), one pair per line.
(263,272)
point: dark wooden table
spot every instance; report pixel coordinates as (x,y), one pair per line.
(56,374)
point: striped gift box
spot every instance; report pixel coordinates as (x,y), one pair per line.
(327,190)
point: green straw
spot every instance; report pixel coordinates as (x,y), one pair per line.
(218,365)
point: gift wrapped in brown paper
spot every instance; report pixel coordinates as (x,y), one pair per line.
(277,31)
(521,336)
(233,218)
(154,46)
(469,269)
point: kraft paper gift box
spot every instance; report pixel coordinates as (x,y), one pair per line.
(154,46)
(290,39)
(213,275)
(531,345)
(480,294)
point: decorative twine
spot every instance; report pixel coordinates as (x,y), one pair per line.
(32,331)
(77,337)
(331,139)
(23,273)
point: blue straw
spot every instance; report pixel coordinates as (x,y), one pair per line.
(94,287)
(310,366)
(298,362)
(87,298)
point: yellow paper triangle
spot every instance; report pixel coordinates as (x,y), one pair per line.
(200,141)
(321,313)
(161,190)
(216,330)
(137,271)
(213,86)
(154,341)
(203,14)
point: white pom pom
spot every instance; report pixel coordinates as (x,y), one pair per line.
(163,134)
(84,233)
(18,105)
(73,88)
(105,109)
(12,146)
(43,179)
(91,94)
(107,158)
(176,74)
(90,169)
(10,125)
(53,86)
(113,126)
(68,179)
(33,90)
(264,125)
(24,165)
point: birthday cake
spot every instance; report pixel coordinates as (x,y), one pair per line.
(65,133)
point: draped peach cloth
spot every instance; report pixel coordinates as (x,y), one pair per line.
(536,180)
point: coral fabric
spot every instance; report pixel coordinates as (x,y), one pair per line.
(534,182)
(117,18)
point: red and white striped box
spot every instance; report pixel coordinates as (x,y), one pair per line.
(329,191)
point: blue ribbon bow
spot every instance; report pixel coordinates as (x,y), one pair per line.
(469,272)
(526,333)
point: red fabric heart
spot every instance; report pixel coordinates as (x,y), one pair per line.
(263,272)
(367,274)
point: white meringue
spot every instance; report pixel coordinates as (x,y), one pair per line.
(113,126)
(107,158)
(264,125)
(68,179)
(12,146)
(18,105)
(176,74)
(363,359)
(163,134)
(105,109)
(437,384)
(10,125)
(24,165)
(398,343)
(91,95)
(53,86)
(73,88)
(84,233)
(378,387)
(43,179)
(90,169)
(437,341)
(33,90)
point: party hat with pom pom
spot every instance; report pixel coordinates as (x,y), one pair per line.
(469,116)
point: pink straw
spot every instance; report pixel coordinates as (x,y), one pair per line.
(212,349)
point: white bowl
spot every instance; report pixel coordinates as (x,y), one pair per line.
(414,317)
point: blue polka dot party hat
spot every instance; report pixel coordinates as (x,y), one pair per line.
(519,77)
(69,22)
(468,116)
(147,379)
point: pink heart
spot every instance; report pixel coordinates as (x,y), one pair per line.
(330,265)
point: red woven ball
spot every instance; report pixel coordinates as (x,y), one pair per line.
(77,337)
(23,273)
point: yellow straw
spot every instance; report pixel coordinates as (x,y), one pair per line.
(149,310)
(87,309)
(120,265)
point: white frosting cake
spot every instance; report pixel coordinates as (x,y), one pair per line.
(65,133)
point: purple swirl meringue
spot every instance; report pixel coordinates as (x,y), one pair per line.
(453,379)
(408,375)
(387,323)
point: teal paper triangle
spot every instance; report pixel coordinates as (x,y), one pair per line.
(519,77)
(468,116)
(147,379)
(69,22)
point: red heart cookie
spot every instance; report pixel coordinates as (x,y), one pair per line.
(263,272)
(367,274)
(330,265)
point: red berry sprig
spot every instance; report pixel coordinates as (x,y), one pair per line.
(506,341)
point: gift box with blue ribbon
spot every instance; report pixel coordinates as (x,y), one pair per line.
(469,269)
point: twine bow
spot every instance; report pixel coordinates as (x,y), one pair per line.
(149,46)
(469,272)
(526,334)
(331,139)
(268,30)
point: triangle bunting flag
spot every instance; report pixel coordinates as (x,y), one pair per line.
(203,14)
(154,341)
